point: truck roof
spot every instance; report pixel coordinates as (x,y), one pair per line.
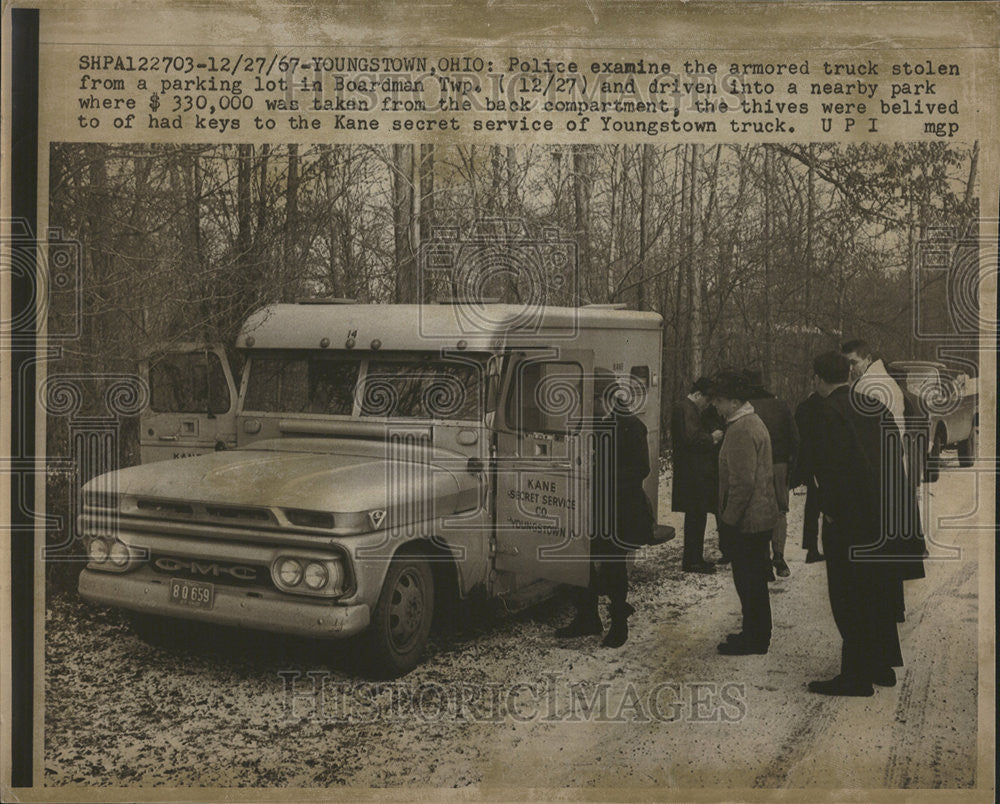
(406,326)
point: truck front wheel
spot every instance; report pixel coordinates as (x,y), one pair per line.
(401,622)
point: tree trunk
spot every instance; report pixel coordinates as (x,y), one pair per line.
(291,232)
(402,214)
(581,206)
(645,171)
(970,185)
(697,336)
(766,338)
(416,197)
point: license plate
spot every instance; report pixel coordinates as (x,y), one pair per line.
(193,594)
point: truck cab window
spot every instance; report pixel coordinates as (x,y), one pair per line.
(423,389)
(188,382)
(302,384)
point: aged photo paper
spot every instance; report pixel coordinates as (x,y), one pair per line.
(504,401)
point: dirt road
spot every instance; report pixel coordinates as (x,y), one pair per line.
(500,703)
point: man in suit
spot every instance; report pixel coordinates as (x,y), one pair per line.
(748,510)
(784,433)
(871,531)
(695,437)
(805,417)
(621,514)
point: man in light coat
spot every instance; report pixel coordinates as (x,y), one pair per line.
(748,510)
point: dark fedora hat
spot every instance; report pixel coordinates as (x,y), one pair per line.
(731,385)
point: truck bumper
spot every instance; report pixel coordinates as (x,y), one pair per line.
(266,611)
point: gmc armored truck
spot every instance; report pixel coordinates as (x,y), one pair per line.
(374,459)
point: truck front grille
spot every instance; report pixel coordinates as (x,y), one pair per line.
(244,575)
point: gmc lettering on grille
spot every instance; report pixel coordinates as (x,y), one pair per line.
(206,568)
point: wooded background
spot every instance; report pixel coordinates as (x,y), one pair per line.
(755,255)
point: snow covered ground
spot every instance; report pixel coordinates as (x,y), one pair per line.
(499,703)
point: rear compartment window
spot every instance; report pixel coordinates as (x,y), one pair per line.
(188,382)
(546,397)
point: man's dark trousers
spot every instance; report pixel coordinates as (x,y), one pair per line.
(810,525)
(612,580)
(694,537)
(751,555)
(861,598)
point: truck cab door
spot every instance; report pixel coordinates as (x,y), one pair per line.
(543,465)
(192,403)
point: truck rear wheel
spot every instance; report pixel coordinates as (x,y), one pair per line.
(401,622)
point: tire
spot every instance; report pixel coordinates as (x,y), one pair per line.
(967,448)
(402,619)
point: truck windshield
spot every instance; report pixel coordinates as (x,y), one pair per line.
(408,386)
(422,389)
(299,383)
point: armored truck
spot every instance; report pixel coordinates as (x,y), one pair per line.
(373,461)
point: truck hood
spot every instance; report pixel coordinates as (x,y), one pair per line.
(408,482)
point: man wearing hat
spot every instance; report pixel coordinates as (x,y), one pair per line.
(748,510)
(695,435)
(621,515)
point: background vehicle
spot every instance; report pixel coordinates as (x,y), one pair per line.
(387,458)
(945,402)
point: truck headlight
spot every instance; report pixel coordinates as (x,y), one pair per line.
(321,576)
(111,555)
(119,554)
(98,550)
(290,572)
(316,576)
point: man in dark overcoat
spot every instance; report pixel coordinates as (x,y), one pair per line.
(621,515)
(805,420)
(871,531)
(695,436)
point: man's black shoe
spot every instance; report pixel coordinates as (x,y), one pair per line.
(580,627)
(724,560)
(617,634)
(703,568)
(886,677)
(737,637)
(838,685)
(741,647)
(770,575)
(812,556)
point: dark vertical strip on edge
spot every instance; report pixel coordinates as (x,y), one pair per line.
(24,201)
